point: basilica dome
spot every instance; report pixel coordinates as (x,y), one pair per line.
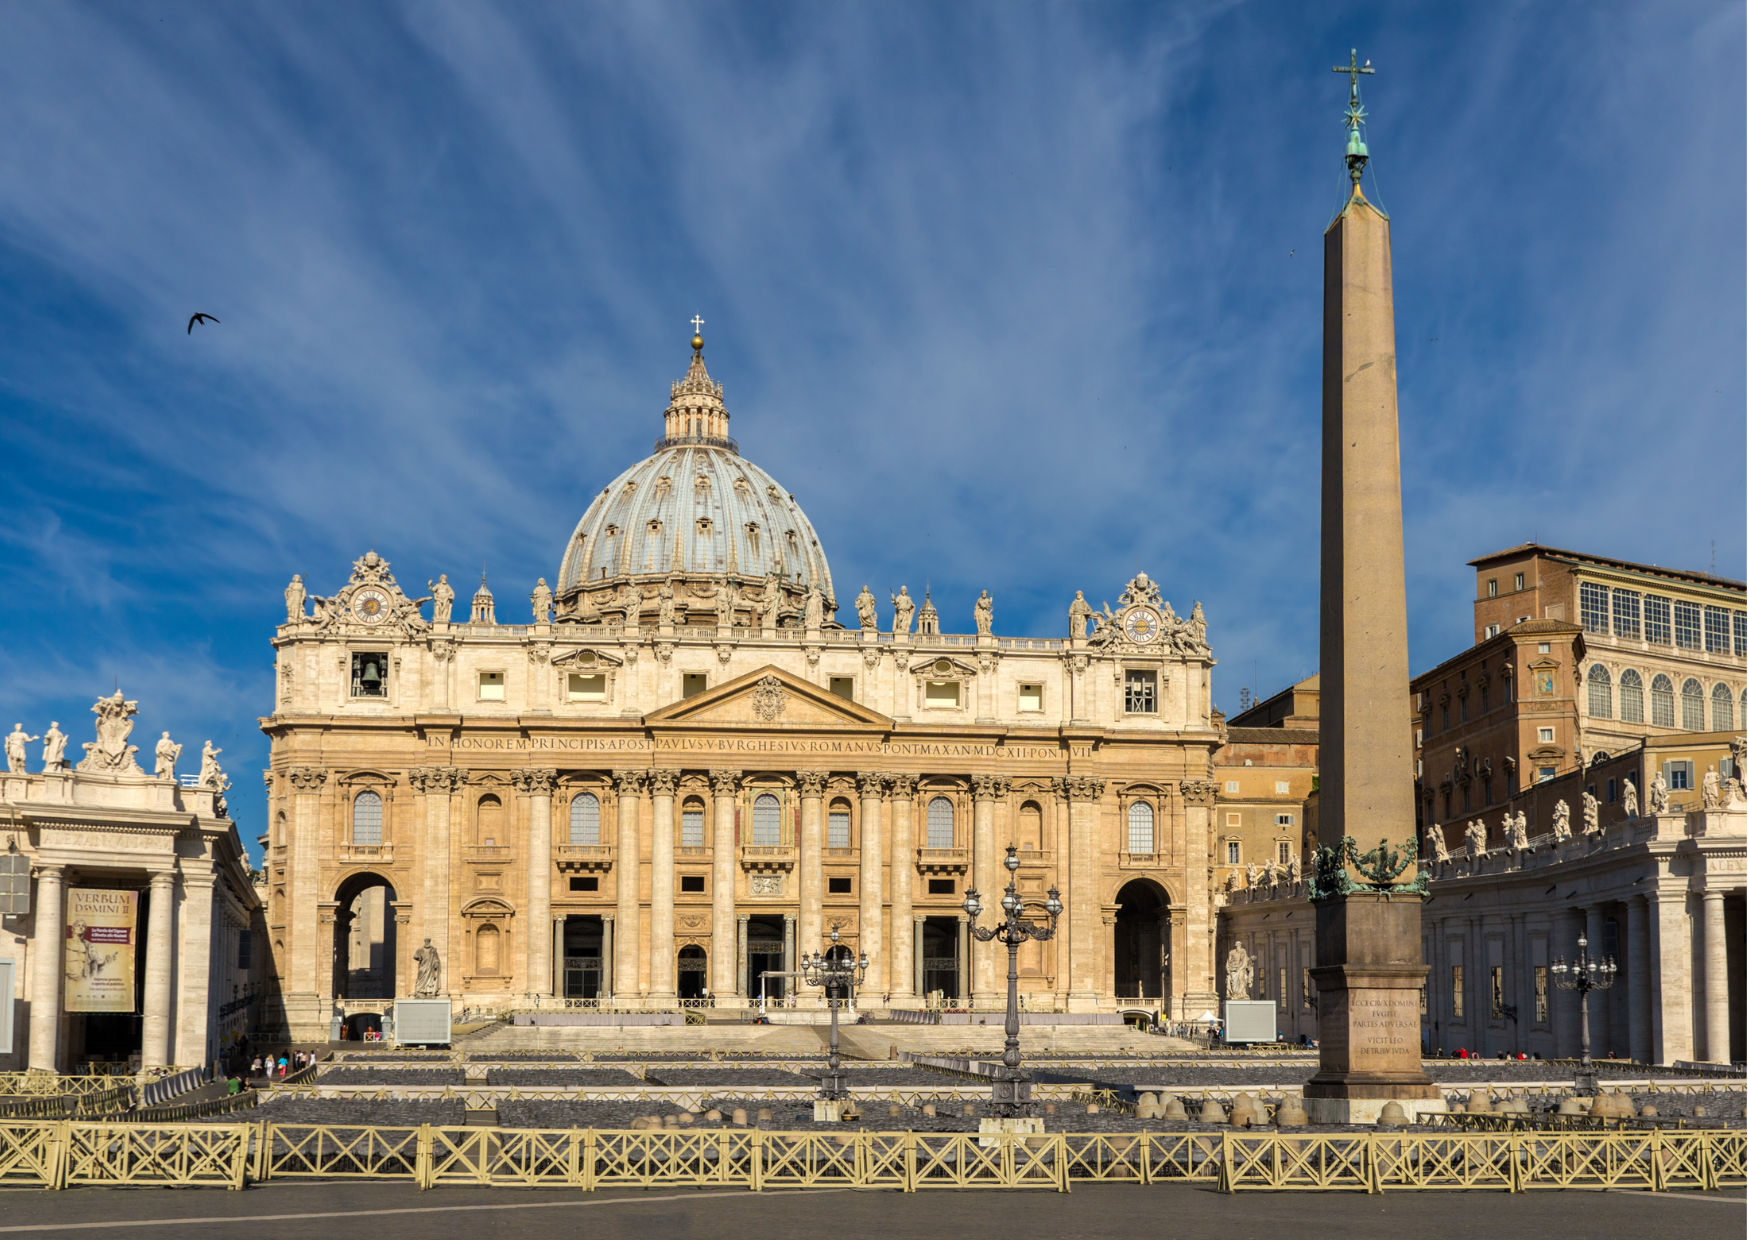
(696,509)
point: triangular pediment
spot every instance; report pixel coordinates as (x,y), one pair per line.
(769,698)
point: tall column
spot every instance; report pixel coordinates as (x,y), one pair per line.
(1638,972)
(788,954)
(1596,1000)
(609,965)
(1062,812)
(870,930)
(661,887)
(916,955)
(1368,941)
(903,949)
(1717,978)
(742,984)
(990,879)
(48,954)
(1086,940)
(726,976)
(556,976)
(812,858)
(627,868)
(194,970)
(537,784)
(1672,975)
(962,956)
(160,918)
(305,974)
(1197,961)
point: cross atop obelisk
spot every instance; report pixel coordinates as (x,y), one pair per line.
(1367,899)
(1356,146)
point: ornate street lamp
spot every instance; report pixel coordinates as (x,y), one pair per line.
(1012,1093)
(1584,975)
(840,978)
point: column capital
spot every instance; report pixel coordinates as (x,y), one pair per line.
(812,782)
(724,783)
(436,780)
(537,781)
(163,878)
(1197,791)
(989,787)
(53,870)
(630,783)
(1080,788)
(663,783)
(307,778)
(903,786)
(743,918)
(870,783)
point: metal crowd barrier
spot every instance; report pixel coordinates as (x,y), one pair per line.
(69,1153)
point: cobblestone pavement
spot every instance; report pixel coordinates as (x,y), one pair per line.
(286,1210)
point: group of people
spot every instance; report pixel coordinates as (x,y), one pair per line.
(287,1062)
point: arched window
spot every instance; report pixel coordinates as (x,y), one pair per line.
(367,816)
(767,821)
(692,823)
(1722,708)
(837,825)
(940,823)
(1693,706)
(1632,697)
(1662,701)
(1141,827)
(1601,693)
(486,954)
(585,820)
(489,820)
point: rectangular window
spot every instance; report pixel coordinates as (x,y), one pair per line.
(1231,786)
(692,684)
(1687,625)
(1284,853)
(1456,992)
(1545,775)
(1541,994)
(491,686)
(1717,630)
(692,883)
(1282,788)
(369,674)
(1739,632)
(692,828)
(1486,699)
(1031,697)
(1545,736)
(844,687)
(591,883)
(1679,776)
(941,694)
(1518,582)
(1496,989)
(1493,587)
(1232,852)
(1139,693)
(1610,789)
(1463,709)
(244,946)
(583,687)
(1656,620)
(1626,613)
(941,887)
(1283,820)
(837,830)
(1491,630)
(1307,996)
(1444,717)
(837,886)
(1593,607)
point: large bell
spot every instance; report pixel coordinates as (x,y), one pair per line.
(371,675)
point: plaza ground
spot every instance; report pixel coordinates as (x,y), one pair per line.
(328,1209)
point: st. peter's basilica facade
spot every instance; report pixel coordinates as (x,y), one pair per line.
(683,773)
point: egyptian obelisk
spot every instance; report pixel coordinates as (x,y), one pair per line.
(1369,970)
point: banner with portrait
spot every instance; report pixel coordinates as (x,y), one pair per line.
(100,949)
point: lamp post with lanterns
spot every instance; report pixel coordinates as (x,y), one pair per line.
(840,977)
(1012,1093)
(1584,975)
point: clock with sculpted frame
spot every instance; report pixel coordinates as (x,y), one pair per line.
(370,605)
(1142,625)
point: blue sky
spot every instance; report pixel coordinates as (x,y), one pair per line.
(1012,296)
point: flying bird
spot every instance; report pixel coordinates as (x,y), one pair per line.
(199,318)
(1292,252)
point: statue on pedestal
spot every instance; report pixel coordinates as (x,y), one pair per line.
(1659,794)
(1592,814)
(294,596)
(1711,790)
(1629,798)
(429,983)
(902,610)
(984,614)
(867,614)
(54,748)
(1079,612)
(1435,844)
(1239,972)
(815,611)
(1562,821)
(442,598)
(166,753)
(15,742)
(541,600)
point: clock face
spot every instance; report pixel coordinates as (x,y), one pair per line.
(1142,625)
(370,606)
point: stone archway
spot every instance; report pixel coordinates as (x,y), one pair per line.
(1142,938)
(364,938)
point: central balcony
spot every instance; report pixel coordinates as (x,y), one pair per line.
(583,856)
(486,854)
(943,860)
(767,857)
